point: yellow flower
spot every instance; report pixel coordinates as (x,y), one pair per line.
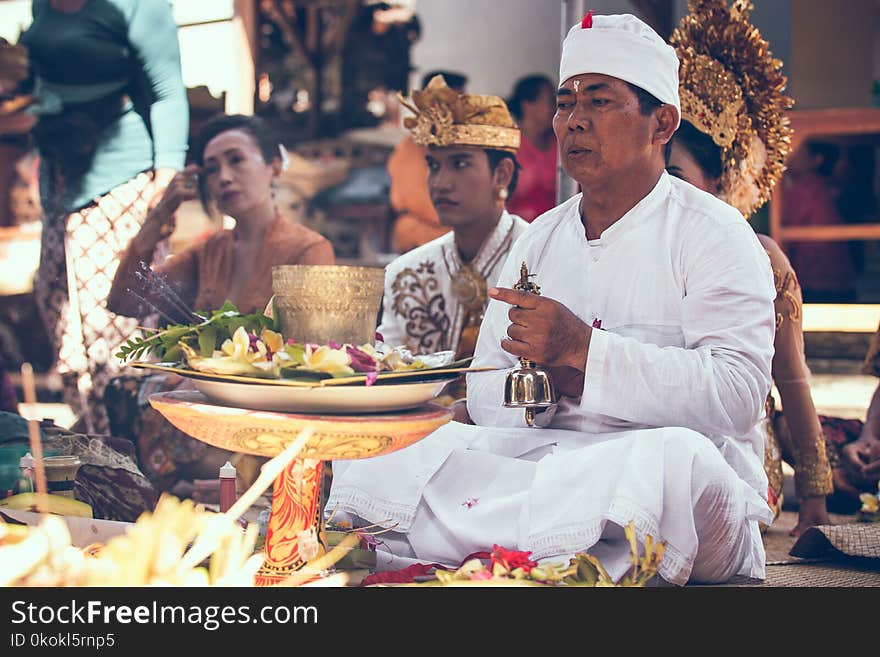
(325,359)
(399,362)
(870,503)
(237,347)
(272,340)
(236,357)
(367,348)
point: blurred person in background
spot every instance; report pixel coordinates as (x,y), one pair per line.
(235,160)
(111,132)
(533,104)
(854,446)
(826,269)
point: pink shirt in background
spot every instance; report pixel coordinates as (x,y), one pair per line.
(820,266)
(536,188)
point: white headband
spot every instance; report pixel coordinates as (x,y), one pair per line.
(623,47)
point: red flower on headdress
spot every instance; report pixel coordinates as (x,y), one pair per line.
(587,20)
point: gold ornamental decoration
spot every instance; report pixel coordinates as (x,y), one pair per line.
(469,287)
(733,89)
(445,117)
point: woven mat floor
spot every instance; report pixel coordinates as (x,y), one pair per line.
(784,570)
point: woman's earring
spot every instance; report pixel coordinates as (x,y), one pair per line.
(503,194)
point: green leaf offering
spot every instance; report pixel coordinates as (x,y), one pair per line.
(206,336)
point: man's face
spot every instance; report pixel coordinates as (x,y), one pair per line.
(461,184)
(601,133)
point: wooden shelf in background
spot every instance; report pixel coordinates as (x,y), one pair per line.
(835,123)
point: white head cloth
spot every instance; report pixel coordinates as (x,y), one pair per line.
(624,47)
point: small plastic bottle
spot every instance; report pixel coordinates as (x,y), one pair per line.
(25,483)
(227,487)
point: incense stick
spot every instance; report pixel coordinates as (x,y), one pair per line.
(30,400)
(166,291)
(155,308)
(150,282)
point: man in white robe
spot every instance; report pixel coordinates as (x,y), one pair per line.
(656,320)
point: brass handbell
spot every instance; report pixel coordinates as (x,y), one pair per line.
(528,386)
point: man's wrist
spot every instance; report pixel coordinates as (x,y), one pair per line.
(578,360)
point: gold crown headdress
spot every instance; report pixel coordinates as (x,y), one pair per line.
(444,117)
(732,89)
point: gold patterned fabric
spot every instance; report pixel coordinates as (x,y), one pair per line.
(772,461)
(813,477)
(732,89)
(433,301)
(445,117)
(788,306)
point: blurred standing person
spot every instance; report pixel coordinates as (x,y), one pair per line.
(417,221)
(8,397)
(533,104)
(112,132)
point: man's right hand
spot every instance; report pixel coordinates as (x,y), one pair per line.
(543,330)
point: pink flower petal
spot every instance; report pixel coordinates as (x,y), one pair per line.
(360,360)
(481,574)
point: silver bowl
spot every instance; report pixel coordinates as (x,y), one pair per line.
(319,303)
